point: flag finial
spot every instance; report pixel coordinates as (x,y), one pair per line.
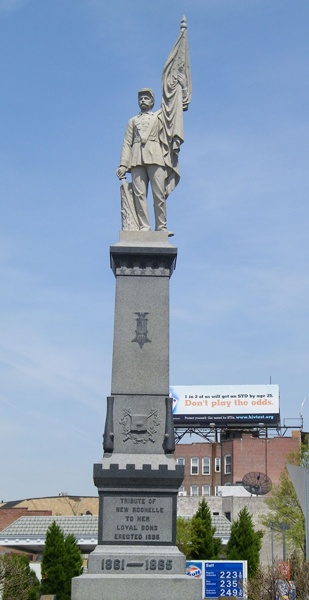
(183,23)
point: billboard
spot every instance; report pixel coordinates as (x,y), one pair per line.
(221,578)
(237,405)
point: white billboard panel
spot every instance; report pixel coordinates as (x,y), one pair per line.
(240,405)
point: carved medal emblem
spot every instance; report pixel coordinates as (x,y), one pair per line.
(141,331)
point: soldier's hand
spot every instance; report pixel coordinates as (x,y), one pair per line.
(121,172)
(176,144)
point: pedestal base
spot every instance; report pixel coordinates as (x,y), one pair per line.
(138,479)
(137,505)
(136,560)
(136,587)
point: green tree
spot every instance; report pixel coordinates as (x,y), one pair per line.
(33,582)
(61,561)
(245,543)
(52,566)
(184,534)
(14,580)
(284,506)
(204,545)
(73,562)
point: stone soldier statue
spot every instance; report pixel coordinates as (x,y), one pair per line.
(152,142)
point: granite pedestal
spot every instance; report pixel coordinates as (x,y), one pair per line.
(138,479)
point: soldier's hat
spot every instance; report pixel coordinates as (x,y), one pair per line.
(148,90)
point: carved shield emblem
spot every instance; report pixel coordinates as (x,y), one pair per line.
(139,423)
(140,429)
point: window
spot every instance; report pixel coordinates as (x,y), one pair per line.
(180,461)
(227,464)
(194,490)
(182,491)
(194,466)
(228,515)
(205,490)
(218,464)
(206,465)
(217,493)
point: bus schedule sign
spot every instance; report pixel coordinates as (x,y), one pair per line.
(222,405)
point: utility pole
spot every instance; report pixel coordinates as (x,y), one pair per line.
(284,527)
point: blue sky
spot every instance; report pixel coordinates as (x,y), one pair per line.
(70,72)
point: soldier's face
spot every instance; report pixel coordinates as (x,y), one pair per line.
(145,102)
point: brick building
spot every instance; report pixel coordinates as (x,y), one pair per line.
(210,464)
(9,515)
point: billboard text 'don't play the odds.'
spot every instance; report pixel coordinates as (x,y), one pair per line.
(221,405)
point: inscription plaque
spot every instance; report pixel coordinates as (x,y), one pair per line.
(142,519)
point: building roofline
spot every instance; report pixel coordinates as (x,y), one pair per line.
(14,503)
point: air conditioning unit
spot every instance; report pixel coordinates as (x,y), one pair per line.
(182,493)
